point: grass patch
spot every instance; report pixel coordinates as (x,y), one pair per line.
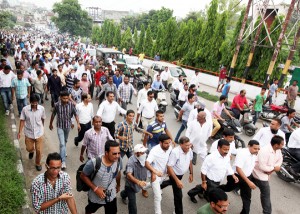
(11,182)
(207,96)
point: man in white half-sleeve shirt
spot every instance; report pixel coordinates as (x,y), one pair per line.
(198,132)
(147,109)
(214,168)
(180,161)
(142,94)
(107,111)
(265,134)
(156,163)
(228,134)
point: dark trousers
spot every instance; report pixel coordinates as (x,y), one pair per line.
(6,97)
(54,99)
(198,189)
(109,207)
(177,193)
(129,192)
(265,199)
(165,83)
(176,93)
(124,105)
(236,113)
(83,129)
(296,153)
(91,90)
(181,129)
(287,137)
(21,103)
(127,153)
(111,127)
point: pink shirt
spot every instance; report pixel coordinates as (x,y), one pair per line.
(217,109)
(84,85)
(267,159)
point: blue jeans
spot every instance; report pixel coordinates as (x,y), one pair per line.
(6,97)
(21,103)
(256,116)
(181,129)
(63,138)
(129,192)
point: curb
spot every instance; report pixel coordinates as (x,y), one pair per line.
(25,208)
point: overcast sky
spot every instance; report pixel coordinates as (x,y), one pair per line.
(180,7)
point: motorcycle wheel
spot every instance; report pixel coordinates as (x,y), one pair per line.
(164,108)
(139,87)
(281,174)
(239,143)
(249,132)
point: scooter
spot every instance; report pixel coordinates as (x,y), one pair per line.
(288,161)
(162,100)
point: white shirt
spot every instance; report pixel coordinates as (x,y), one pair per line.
(148,109)
(158,158)
(6,79)
(85,112)
(165,75)
(180,161)
(294,141)
(264,136)
(232,149)
(216,167)
(198,136)
(194,113)
(177,85)
(183,95)
(48,66)
(142,96)
(107,111)
(195,80)
(245,161)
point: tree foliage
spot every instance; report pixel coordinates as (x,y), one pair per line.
(70,18)
(148,44)
(7,20)
(126,39)
(141,41)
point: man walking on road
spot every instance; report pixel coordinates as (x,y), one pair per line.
(106,184)
(272,90)
(180,161)
(6,77)
(85,113)
(54,86)
(94,139)
(65,110)
(109,86)
(269,160)
(142,94)
(292,94)
(156,163)
(32,118)
(51,191)
(136,176)
(222,77)
(107,111)
(124,90)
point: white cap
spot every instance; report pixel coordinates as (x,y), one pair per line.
(139,148)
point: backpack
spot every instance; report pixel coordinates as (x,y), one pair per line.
(80,185)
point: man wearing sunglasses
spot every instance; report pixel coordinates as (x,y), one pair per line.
(51,191)
(218,203)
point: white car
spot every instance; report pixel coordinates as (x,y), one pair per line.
(133,62)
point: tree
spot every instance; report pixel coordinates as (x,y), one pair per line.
(126,40)
(148,44)
(7,20)
(169,35)
(135,37)
(96,34)
(194,15)
(117,36)
(70,18)
(140,47)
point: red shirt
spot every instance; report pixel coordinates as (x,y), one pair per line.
(238,99)
(223,73)
(97,76)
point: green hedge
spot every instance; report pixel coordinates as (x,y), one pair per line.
(11,182)
(207,96)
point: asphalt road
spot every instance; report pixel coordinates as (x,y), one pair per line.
(284,195)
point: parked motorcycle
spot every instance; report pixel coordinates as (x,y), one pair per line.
(139,81)
(162,100)
(288,161)
(273,111)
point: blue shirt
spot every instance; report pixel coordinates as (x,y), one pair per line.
(224,91)
(117,80)
(156,85)
(156,129)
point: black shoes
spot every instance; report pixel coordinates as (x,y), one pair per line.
(124,200)
(38,168)
(75,141)
(30,156)
(193,199)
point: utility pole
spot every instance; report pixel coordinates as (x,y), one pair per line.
(279,41)
(289,59)
(240,38)
(250,57)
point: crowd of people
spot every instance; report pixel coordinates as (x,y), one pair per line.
(70,75)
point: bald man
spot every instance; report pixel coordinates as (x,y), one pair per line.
(198,132)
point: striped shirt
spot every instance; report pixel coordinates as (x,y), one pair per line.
(135,168)
(126,130)
(156,129)
(124,91)
(104,178)
(64,114)
(95,142)
(42,191)
(34,127)
(21,87)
